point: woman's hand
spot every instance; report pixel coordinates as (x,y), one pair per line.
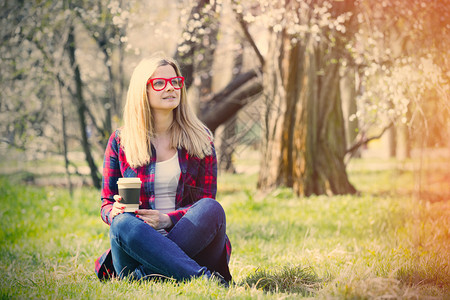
(117,207)
(154,218)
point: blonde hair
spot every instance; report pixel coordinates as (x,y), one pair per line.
(186,131)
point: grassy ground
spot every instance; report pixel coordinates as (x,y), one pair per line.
(383,243)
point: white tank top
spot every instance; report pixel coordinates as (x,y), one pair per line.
(167,174)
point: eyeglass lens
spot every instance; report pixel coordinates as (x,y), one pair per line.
(160,83)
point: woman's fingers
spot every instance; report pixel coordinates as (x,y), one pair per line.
(147,215)
(117,206)
(147,212)
(151,217)
(154,218)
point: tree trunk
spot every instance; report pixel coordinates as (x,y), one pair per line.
(225,65)
(64,139)
(227,148)
(392,141)
(121,82)
(81,109)
(304,142)
(109,103)
(195,55)
(349,107)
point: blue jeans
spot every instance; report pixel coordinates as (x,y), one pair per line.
(193,248)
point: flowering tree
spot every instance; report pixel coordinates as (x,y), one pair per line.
(197,45)
(304,142)
(315,44)
(106,23)
(399,52)
(41,45)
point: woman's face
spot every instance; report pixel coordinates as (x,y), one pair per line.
(168,98)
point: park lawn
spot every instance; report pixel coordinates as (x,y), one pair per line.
(381,243)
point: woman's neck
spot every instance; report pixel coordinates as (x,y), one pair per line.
(162,140)
(162,122)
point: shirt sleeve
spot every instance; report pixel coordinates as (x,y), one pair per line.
(176,215)
(207,178)
(111,173)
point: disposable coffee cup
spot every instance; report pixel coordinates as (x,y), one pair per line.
(130,190)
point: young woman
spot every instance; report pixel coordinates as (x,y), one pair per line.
(179,229)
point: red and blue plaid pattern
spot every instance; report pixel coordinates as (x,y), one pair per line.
(198,179)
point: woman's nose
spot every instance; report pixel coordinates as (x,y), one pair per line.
(169,87)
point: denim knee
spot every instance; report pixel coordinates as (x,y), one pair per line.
(124,223)
(211,207)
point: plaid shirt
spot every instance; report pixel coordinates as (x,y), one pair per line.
(198,179)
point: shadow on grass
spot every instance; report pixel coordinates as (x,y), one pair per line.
(293,280)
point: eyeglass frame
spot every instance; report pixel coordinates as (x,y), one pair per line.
(150,81)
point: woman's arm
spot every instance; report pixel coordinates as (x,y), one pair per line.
(111,173)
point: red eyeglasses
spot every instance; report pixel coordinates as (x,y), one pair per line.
(158,84)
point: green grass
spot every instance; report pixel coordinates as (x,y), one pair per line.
(380,244)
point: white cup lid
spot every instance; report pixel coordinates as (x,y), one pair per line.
(129,180)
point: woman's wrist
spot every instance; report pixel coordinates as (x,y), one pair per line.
(167,221)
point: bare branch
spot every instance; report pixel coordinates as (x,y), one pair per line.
(230,104)
(231,87)
(247,34)
(363,141)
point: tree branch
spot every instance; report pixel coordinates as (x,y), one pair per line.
(232,86)
(363,141)
(247,34)
(223,107)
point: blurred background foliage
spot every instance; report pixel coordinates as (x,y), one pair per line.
(370,70)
